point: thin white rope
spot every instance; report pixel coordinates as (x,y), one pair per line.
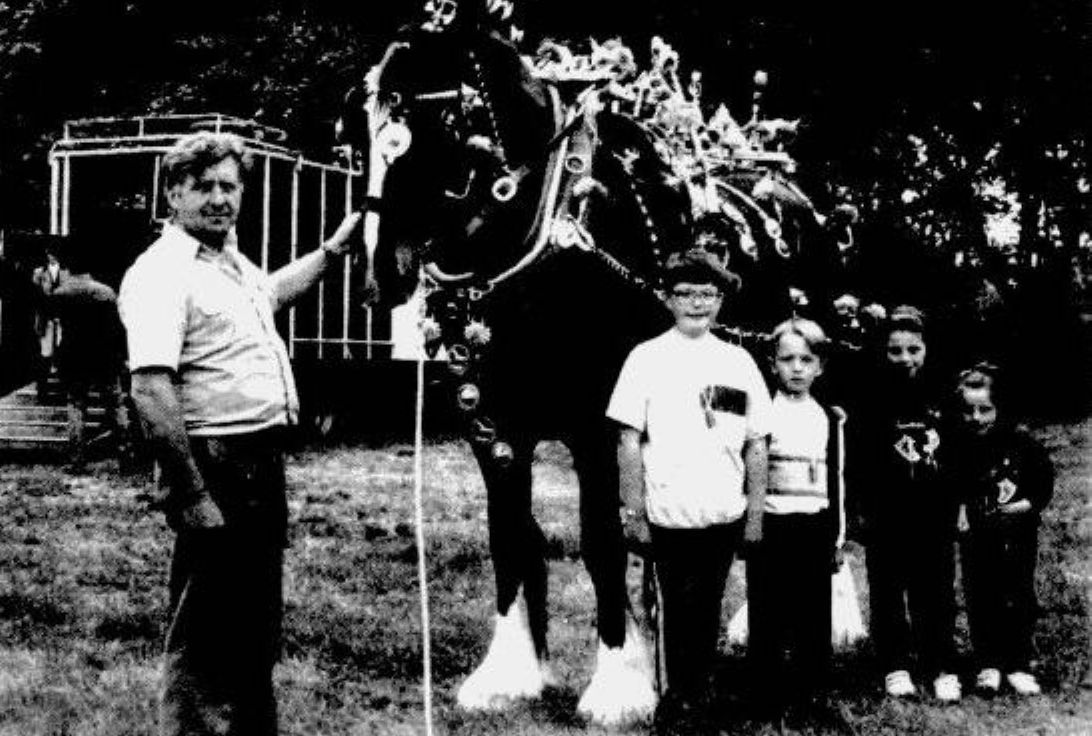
(419,524)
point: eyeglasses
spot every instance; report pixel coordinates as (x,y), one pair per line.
(696,295)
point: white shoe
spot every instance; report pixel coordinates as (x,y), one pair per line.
(947,689)
(899,685)
(988,680)
(1023,683)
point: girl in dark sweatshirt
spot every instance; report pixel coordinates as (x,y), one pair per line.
(908,515)
(1005,479)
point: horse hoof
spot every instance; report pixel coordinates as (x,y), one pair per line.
(511,671)
(622,689)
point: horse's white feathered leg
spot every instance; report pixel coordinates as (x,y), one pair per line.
(623,687)
(511,670)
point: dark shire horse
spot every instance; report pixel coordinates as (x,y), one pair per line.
(540,217)
(544,233)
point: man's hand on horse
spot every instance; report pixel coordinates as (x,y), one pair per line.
(341,243)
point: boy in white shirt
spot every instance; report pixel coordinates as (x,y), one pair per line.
(694,413)
(789,574)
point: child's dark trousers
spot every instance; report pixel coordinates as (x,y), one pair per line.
(998,562)
(911,582)
(789,607)
(691,569)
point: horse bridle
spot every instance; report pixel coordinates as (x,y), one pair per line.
(391,138)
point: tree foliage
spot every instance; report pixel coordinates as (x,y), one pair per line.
(910,110)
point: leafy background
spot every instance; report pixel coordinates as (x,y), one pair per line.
(878,85)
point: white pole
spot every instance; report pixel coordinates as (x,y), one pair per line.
(293,247)
(322,236)
(66,193)
(266,178)
(54,195)
(155,186)
(368,326)
(419,523)
(345,278)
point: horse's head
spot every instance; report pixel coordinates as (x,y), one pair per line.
(454,133)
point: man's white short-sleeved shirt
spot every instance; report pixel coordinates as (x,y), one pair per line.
(208,316)
(695,401)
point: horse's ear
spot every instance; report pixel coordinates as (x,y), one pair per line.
(354,98)
(732,283)
(350,126)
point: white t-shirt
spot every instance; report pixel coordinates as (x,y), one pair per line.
(695,401)
(798,457)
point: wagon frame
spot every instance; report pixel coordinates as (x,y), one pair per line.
(106,183)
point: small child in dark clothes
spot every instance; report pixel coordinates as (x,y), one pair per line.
(1006,479)
(909,515)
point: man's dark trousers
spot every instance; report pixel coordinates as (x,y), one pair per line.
(225,595)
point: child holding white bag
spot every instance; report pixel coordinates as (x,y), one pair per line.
(789,572)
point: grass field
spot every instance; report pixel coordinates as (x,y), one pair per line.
(82,594)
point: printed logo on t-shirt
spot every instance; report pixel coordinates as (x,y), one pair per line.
(917,443)
(1005,481)
(726,398)
(1006,491)
(722,399)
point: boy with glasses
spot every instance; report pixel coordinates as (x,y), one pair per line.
(693,414)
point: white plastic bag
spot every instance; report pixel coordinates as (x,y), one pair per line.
(846,623)
(737,627)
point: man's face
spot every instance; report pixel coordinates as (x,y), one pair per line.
(694,307)
(207,206)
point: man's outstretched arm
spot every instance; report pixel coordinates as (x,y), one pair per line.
(292,281)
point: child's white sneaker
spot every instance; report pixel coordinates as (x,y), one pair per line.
(1023,683)
(989,680)
(898,684)
(947,689)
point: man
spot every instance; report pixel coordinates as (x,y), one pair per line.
(92,356)
(46,278)
(212,382)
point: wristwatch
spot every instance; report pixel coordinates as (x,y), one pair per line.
(629,514)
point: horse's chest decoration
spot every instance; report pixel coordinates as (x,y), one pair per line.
(537,201)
